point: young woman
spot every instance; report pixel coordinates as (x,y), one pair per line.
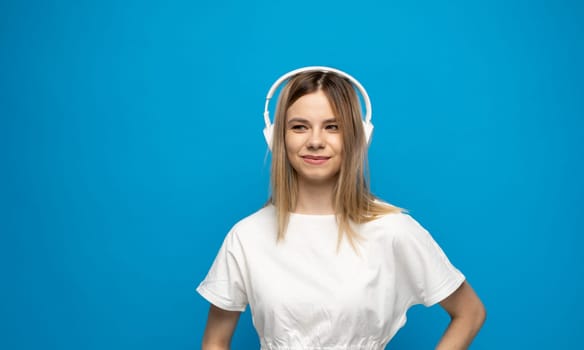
(325,264)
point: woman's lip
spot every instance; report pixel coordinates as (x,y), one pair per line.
(315,160)
(316,157)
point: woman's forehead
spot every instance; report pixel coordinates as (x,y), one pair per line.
(316,103)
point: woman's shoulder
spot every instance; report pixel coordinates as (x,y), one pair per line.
(399,224)
(395,219)
(261,216)
(262,220)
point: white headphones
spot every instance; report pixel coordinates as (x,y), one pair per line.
(269,129)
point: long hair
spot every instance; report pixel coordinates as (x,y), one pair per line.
(353,202)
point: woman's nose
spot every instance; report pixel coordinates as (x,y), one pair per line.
(315,140)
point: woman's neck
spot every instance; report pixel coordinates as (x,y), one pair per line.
(315,198)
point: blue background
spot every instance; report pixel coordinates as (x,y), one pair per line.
(130,142)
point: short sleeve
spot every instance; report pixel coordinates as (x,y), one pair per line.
(425,270)
(224,285)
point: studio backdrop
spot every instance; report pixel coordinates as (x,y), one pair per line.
(131,141)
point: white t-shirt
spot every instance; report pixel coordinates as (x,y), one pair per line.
(304,294)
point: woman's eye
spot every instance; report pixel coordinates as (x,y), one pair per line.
(333,127)
(298,127)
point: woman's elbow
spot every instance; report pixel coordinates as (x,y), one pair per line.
(480,314)
(475,315)
(209,345)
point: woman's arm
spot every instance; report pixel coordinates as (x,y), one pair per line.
(467,315)
(220,327)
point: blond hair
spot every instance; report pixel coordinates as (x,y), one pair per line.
(353,202)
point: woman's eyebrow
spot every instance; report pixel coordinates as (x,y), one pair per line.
(303,120)
(297,120)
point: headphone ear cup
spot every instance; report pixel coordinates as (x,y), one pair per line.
(269,135)
(368,129)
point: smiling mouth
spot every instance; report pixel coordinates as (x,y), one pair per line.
(315,157)
(315,160)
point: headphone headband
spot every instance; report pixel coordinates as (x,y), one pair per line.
(268,131)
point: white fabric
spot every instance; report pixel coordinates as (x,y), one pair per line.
(303,294)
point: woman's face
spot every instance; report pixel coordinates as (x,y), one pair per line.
(313,139)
